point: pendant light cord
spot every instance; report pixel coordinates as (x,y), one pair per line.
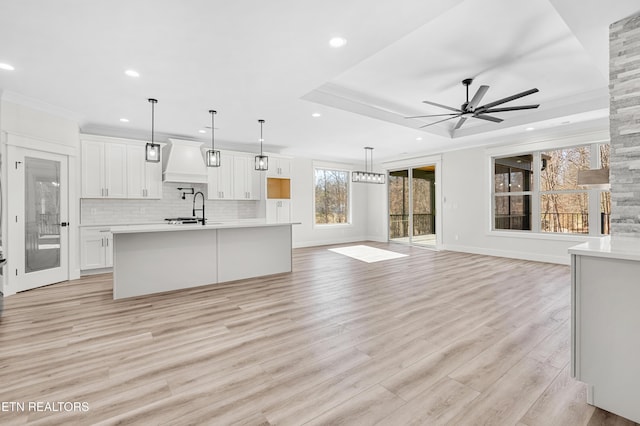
(153,104)
(213,113)
(368,152)
(261,138)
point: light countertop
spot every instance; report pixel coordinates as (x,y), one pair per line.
(108,225)
(164,227)
(614,248)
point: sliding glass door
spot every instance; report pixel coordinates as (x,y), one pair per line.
(412,215)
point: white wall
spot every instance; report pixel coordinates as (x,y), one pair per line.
(38,124)
(465,193)
(377,208)
(302,192)
(467,215)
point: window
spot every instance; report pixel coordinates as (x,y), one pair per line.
(331,196)
(512,180)
(538,192)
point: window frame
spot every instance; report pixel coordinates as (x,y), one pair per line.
(338,168)
(536,192)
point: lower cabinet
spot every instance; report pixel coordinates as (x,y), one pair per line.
(278,211)
(605,323)
(96,248)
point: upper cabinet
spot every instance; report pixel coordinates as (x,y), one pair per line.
(144,179)
(220,180)
(116,168)
(279,167)
(235,179)
(104,170)
(246,180)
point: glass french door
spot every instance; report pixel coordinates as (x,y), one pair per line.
(412,214)
(38,231)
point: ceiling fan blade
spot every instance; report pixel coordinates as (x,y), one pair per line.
(488,118)
(513,108)
(477,97)
(507,99)
(442,106)
(460,123)
(440,121)
(432,115)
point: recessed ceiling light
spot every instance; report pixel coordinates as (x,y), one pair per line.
(132,73)
(337,42)
(316,115)
(418,138)
(124,120)
(202,131)
(528,129)
(6,67)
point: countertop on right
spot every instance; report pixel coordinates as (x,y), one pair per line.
(610,247)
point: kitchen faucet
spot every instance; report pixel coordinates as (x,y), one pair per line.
(194,206)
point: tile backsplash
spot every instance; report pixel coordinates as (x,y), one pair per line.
(116,211)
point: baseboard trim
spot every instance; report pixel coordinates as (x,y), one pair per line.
(536,257)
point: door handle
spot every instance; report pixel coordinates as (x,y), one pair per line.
(64,224)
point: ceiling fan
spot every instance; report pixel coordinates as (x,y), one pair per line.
(471,108)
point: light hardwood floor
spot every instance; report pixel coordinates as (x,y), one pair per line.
(432,338)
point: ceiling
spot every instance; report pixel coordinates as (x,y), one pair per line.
(271,60)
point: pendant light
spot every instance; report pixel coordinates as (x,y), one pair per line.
(152,150)
(368,176)
(213,156)
(262,161)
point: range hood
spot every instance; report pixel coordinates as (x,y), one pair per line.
(182,161)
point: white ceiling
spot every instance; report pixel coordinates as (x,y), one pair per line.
(271,60)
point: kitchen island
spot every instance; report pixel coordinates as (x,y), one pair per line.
(155,258)
(605,322)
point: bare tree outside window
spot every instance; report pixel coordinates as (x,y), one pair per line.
(605,196)
(331,196)
(562,207)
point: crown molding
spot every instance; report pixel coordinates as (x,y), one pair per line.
(39,105)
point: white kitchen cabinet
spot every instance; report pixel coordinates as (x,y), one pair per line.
(279,167)
(605,323)
(104,170)
(144,179)
(278,211)
(96,248)
(220,180)
(246,180)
